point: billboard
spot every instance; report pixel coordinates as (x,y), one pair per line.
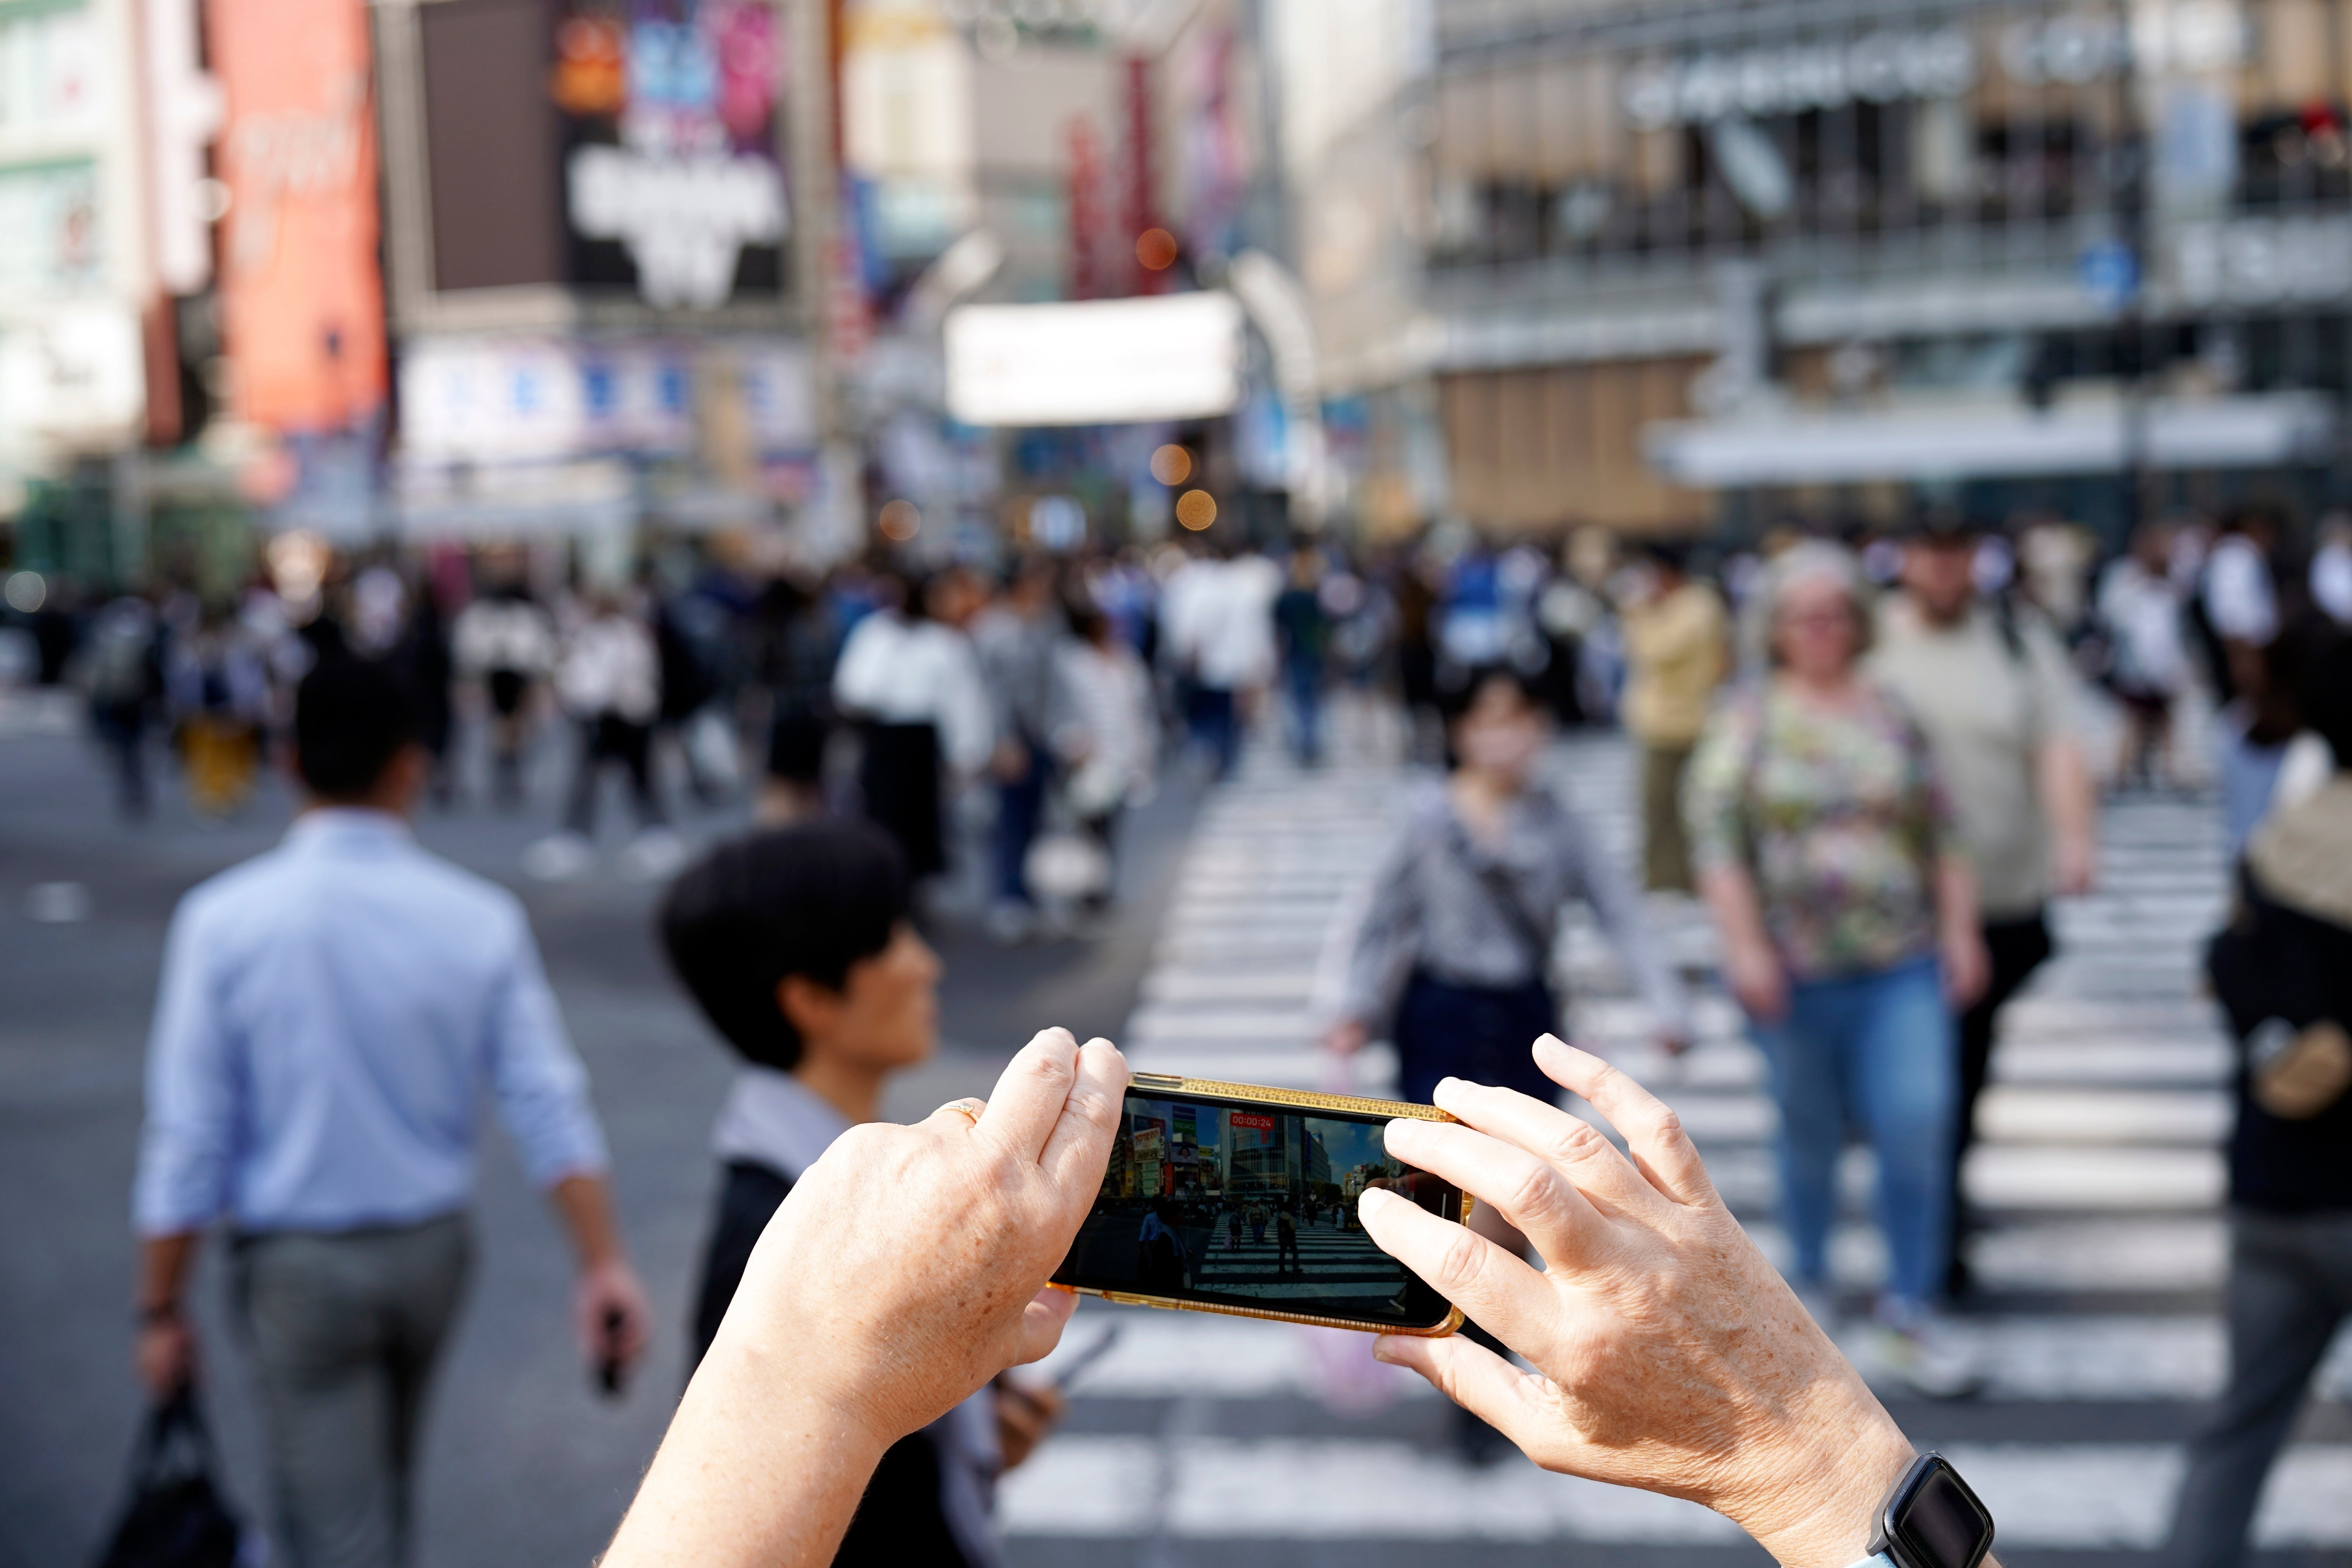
(301,298)
(1098,362)
(671,179)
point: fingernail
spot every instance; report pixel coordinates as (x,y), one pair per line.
(1373,1198)
(1380,1349)
(1404,1127)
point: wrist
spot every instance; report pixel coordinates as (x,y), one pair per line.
(804,1401)
(1822,1514)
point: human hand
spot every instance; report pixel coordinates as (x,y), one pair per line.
(1753,972)
(1025,1413)
(1345,1038)
(2074,865)
(1967,968)
(908,1266)
(165,1355)
(611,1315)
(1009,762)
(1669,1354)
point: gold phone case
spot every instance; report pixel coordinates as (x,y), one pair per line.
(1304,1099)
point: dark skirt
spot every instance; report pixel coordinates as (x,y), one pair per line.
(900,778)
(1479,1033)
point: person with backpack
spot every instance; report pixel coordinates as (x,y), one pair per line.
(2283,972)
(1987,683)
(124,676)
(1826,847)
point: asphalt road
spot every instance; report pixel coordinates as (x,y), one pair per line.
(525,1464)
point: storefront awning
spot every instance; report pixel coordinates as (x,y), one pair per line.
(1989,441)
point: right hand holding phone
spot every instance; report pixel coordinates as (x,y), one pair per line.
(1669,1354)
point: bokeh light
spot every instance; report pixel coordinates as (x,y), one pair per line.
(1155,249)
(26,592)
(900,522)
(1171,465)
(1196,509)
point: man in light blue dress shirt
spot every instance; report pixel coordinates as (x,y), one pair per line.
(332,1016)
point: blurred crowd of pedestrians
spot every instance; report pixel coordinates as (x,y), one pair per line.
(1872,761)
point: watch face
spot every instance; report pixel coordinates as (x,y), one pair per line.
(1943,1525)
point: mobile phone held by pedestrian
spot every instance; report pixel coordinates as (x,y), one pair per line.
(1234,1198)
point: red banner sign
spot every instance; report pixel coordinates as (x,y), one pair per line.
(1251,1120)
(302,302)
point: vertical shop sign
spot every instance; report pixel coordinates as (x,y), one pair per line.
(301,298)
(670,169)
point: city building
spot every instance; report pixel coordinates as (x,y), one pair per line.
(1671,268)
(598,305)
(106,263)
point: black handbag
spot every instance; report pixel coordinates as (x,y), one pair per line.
(2274,971)
(175,1517)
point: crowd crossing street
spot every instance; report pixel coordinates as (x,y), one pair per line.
(2099,1171)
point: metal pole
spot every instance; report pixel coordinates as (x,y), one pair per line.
(2128,174)
(832,523)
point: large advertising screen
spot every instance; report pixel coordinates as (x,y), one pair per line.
(670,174)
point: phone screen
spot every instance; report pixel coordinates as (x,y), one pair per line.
(1240,1203)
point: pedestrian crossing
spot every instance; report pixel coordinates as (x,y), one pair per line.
(2099,1171)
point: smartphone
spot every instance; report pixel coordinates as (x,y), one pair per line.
(1227,1197)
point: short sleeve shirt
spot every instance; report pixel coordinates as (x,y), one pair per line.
(1837,818)
(1988,707)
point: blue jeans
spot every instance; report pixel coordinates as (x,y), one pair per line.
(1303,679)
(1216,723)
(1019,805)
(1877,1049)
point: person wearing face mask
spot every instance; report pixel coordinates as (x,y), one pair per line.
(1452,950)
(1830,854)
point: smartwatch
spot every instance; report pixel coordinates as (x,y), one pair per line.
(1931,1519)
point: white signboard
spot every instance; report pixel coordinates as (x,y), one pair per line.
(76,376)
(520,399)
(1104,361)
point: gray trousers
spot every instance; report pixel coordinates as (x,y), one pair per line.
(2290,1285)
(343,1329)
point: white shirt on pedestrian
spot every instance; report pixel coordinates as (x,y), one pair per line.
(611,665)
(897,671)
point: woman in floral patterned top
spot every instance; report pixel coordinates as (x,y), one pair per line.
(1826,848)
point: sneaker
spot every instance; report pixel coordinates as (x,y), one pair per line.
(654,854)
(559,857)
(1921,1358)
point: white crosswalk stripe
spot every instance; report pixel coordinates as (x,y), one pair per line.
(2100,1167)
